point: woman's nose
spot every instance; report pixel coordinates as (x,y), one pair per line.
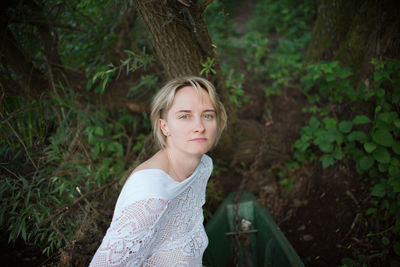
(199,126)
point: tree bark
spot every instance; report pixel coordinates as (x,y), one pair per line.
(31,81)
(353,32)
(47,34)
(181,41)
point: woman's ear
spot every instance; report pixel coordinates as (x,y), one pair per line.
(164,127)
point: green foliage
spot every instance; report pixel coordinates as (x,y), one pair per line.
(207,67)
(106,74)
(219,24)
(275,43)
(54,150)
(288,17)
(360,261)
(97,23)
(214,196)
(223,30)
(147,83)
(234,84)
(371,142)
(331,80)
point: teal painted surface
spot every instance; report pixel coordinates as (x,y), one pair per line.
(267,247)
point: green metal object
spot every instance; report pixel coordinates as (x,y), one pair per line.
(261,244)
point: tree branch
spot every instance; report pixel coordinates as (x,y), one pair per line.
(49,23)
(82,197)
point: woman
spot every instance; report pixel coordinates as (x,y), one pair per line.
(158,218)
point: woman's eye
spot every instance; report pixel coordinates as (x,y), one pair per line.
(208,116)
(184,117)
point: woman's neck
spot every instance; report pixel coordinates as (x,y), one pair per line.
(181,166)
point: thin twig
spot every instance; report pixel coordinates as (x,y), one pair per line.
(16,112)
(16,176)
(351,227)
(380,254)
(82,197)
(23,144)
(87,201)
(60,234)
(350,194)
(59,66)
(54,24)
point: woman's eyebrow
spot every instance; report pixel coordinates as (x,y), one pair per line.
(183,111)
(190,111)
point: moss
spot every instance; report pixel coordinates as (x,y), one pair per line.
(334,18)
(354,49)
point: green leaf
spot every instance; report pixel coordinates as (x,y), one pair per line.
(378,190)
(369,147)
(371,211)
(397,123)
(394,182)
(361,119)
(396,147)
(383,137)
(343,72)
(326,147)
(98,131)
(385,117)
(337,153)
(383,167)
(345,126)
(380,92)
(396,248)
(394,171)
(385,240)
(381,155)
(347,262)
(366,163)
(307,130)
(330,122)
(357,136)
(327,160)
(314,123)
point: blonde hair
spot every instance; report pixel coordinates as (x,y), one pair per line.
(163,100)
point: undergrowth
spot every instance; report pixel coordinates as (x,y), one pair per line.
(370,139)
(358,123)
(53,152)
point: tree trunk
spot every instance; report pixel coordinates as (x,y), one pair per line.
(181,41)
(31,82)
(353,32)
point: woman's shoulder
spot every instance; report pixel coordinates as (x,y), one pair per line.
(148,180)
(143,185)
(157,161)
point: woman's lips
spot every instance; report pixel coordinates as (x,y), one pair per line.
(198,139)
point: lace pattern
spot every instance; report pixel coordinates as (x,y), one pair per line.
(128,238)
(159,231)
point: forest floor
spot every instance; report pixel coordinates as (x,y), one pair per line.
(321,213)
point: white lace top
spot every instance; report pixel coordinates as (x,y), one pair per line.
(157,221)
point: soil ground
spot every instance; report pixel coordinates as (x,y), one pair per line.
(320,215)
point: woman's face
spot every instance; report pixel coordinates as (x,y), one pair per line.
(191,122)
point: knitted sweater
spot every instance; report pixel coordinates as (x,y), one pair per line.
(157,221)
